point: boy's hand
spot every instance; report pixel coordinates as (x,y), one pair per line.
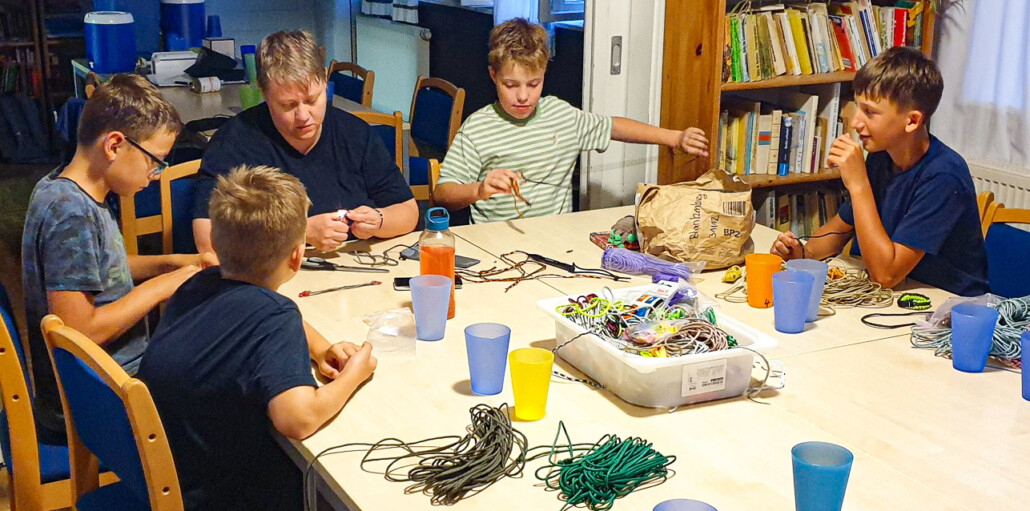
(692,141)
(335,358)
(497,181)
(846,154)
(167,283)
(326,232)
(206,260)
(361,364)
(787,246)
(365,221)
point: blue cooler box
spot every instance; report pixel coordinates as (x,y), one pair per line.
(110,42)
(183,17)
(145,15)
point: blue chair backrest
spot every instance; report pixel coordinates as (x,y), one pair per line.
(432,120)
(347,86)
(101,421)
(388,136)
(1007,248)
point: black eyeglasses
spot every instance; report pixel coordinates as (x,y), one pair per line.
(161,164)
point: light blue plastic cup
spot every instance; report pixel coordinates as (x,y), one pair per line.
(430,299)
(1025,340)
(972,332)
(791,293)
(817,269)
(821,471)
(487,346)
(684,505)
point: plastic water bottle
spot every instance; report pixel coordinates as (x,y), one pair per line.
(436,249)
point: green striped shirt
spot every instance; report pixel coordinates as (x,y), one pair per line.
(544,148)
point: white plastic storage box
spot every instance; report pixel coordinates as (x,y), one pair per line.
(660,382)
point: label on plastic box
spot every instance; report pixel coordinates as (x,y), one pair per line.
(704,377)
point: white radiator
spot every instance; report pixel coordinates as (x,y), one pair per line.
(1011,185)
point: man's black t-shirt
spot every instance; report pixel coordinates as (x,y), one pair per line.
(348,166)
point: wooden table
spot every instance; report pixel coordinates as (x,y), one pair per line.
(192,106)
(924,435)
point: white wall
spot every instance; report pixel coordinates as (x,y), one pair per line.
(610,178)
(397,55)
(251,20)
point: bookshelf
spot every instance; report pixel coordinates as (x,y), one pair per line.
(692,84)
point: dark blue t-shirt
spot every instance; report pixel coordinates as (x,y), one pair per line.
(223,350)
(348,166)
(931,207)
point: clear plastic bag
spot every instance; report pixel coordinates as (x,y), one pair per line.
(941,318)
(391,331)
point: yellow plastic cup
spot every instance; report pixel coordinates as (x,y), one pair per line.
(760,269)
(530,379)
(250,96)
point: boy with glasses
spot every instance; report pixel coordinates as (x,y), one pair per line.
(73,256)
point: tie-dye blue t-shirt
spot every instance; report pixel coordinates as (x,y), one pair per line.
(72,243)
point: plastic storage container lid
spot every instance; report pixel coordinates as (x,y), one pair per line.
(108,18)
(182,1)
(440,222)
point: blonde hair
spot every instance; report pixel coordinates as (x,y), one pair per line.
(128,103)
(258,216)
(290,57)
(520,41)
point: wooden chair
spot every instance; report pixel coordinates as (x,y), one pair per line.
(983,200)
(435,116)
(160,217)
(390,128)
(429,167)
(357,88)
(111,419)
(1007,247)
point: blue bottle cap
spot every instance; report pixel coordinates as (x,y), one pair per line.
(248,48)
(437,219)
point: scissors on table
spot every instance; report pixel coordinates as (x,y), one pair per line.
(318,263)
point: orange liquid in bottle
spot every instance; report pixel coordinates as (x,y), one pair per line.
(439,260)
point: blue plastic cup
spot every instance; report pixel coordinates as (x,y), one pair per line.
(430,299)
(487,346)
(1025,340)
(821,471)
(818,270)
(684,505)
(972,333)
(214,26)
(791,293)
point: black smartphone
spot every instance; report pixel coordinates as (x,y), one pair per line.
(459,261)
(404,283)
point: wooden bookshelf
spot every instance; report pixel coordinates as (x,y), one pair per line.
(768,180)
(692,84)
(790,81)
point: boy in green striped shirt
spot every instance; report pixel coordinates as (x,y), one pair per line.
(528,145)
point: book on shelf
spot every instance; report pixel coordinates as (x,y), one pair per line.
(804,38)
(802,213)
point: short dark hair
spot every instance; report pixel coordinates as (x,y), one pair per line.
(128,103)
(903,76)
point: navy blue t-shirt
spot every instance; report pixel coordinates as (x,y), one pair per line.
(223,350)
(348,166)
(931,207)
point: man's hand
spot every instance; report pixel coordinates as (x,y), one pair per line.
(365,221)
(787,246)
(361,364)
(334,358)
(497,181)
(846,154)
(326,232)
(692,141)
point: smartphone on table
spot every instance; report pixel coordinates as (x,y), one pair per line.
(404,283)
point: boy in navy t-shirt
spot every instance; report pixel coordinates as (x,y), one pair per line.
(230,360)
(912,205)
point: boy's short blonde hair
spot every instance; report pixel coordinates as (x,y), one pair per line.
(903,76)
(128,103)
(258,216)
(521,42)
(290,58)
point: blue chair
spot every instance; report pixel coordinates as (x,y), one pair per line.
(111,420)
(435,118)
(163,207)
(1007,249)
(390,129)
(356,87)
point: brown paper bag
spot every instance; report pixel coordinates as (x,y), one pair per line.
(709,220)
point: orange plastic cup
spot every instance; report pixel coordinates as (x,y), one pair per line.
(760,269)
